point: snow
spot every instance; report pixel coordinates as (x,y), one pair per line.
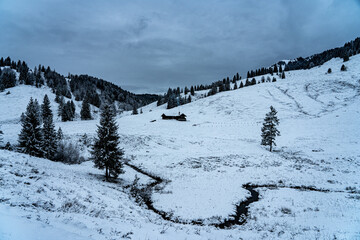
(206,160)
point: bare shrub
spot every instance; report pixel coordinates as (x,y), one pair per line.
(68,152)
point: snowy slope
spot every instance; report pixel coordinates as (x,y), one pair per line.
(207,160)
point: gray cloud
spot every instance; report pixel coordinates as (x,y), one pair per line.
(151,45)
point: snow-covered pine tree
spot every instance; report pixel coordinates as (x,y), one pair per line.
(59,134)
(61,106)
(45,108)
(85,112)
(160,101)
(30,137)
(235,86)
(269,130)
(135,111)
(192,91)
(73,109)
(283,75)
(50,141)
(1,138)
(106,153)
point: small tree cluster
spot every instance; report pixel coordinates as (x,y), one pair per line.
(36,140)
(85,112)
(31,135)
(66,110)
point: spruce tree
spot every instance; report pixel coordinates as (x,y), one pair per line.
(30,137)
(50,141)
(235,86)
(283,75)
(1,138)
(72,109)
(134,111)
(269,130)
(106,153)
(61,106)
(159,102)
(59,134)
(45,108)
(253,81)
(192,91)
(275,68)
(85,112)
(186,90)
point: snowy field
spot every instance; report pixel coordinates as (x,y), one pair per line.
(206,161)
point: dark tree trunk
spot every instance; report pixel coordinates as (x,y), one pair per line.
(107,173)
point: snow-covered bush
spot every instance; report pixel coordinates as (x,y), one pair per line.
(68,152)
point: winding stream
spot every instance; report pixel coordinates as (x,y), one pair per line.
(242,209)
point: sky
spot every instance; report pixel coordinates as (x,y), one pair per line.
(148,46)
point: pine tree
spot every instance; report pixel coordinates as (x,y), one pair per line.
(186,90)
(283,75)
(59,134)
(106,153)
(171,102)
(45,108)
(50,141)
(85,112)
(269,130)
(189,99)
(30,137)
(160,101)
(253,81)
(235,86)
(61,106)
(241,85)
(72,109)
(192,91)
(343,68)
(135,111)
(1,138)
(275,68)
(141,111)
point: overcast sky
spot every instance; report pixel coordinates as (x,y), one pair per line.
(147,46)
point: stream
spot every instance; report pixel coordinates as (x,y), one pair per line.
(242,209)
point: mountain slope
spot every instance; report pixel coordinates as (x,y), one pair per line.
(95,90)
(207,160)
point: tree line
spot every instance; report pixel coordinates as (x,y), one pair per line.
(95,90)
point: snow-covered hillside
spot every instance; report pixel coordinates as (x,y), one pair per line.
(309,187)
